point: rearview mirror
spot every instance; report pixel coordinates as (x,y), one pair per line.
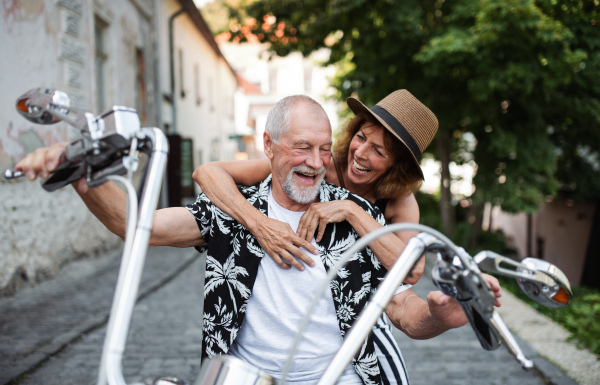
(549,287)
(49,106)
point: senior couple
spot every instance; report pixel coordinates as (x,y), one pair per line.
(301,207)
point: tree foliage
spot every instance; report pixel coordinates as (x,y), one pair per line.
(515,83)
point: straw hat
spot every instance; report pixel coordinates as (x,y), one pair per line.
(404,116)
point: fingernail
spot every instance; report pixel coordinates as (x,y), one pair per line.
(30,175)
(50,165)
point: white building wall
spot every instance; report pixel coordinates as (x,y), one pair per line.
(205,113)
(277,77)
(51,43)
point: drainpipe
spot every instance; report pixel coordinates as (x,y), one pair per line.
(164,199)
(172,65)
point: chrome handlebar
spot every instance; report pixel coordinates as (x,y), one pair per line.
(105,147)
(458,275)
(109,147)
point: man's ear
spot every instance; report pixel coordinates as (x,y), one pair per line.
(268,144)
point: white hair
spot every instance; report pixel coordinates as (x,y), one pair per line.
(279,118)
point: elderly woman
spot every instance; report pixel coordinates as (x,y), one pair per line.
(376,156)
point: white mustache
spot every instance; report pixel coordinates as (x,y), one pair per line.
(309,170)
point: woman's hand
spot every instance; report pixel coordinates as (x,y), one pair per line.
(319,215)
(279,241)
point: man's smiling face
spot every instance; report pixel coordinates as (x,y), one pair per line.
(300,159)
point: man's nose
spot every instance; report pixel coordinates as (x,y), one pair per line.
(314,159)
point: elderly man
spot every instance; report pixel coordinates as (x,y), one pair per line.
(252,307)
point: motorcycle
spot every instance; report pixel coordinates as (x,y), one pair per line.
(111,146)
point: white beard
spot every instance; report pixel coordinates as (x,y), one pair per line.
(303,194)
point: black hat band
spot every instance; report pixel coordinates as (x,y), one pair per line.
(398,129)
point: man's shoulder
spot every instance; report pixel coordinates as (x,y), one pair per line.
(257,191)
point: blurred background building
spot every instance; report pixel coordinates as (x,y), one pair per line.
(157,56)
(211,97)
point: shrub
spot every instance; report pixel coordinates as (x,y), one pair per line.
(581,316)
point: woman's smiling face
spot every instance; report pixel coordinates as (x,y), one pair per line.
(368,158)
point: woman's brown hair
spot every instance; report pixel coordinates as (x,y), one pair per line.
(401,179)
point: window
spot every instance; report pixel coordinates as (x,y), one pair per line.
(180,70)
(197,84)
(100,58)
(211,94)
(140,87)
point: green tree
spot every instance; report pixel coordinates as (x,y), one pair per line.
(514,83)
(220,13)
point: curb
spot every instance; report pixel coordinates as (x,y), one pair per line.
(542,367)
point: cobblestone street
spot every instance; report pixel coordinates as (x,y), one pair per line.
(165,335)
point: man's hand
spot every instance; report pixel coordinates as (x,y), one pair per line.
(279,241)
(448,312)
(420,319)
(44,161)
(416,272)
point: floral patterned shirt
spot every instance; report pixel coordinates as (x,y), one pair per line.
(233,257)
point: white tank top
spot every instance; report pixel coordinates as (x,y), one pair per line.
(279,300)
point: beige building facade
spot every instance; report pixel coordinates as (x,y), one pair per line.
(562,232)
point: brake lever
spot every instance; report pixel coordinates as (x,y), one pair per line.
(473,293)
(64,174)
(464,282)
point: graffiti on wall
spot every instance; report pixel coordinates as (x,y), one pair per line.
(17,140)
(17,10)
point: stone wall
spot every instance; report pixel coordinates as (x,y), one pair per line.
(42,231)
(51,43)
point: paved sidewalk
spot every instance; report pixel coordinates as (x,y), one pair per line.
(39,321)
(53,333)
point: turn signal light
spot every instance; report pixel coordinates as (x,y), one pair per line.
(561,296)
(22,105)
